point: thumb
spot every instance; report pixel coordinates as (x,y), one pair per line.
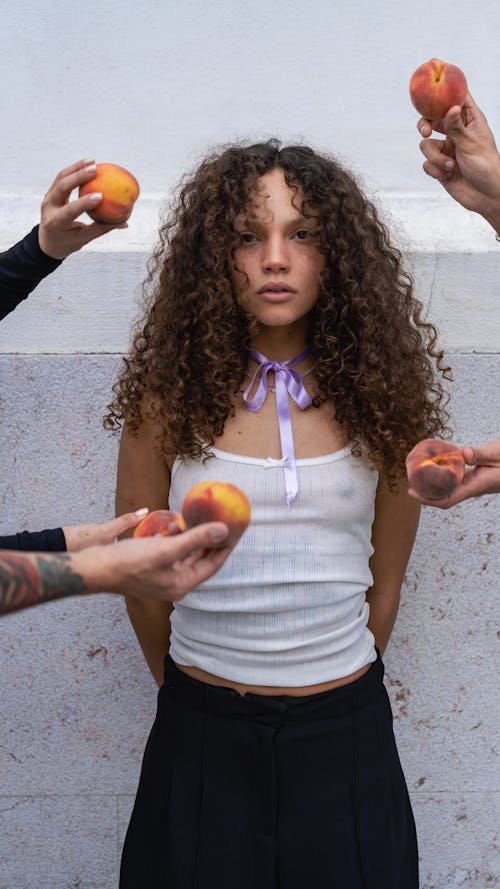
(209,535)
(453,124)
(483,455)
(469,455)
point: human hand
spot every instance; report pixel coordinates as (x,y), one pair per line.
(466,162)
(484,478)
(79,537)
(60,232)
(159,568)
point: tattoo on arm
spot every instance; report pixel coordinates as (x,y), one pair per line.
(31,578)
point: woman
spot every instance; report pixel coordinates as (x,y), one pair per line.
(282,350)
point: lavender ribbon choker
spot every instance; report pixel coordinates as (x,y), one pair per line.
(288,382)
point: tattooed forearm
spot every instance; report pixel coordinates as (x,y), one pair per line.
(31,578)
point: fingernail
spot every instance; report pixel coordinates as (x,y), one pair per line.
(96,196)
(88,160)
(217,535)
(173,528)
(143,511)
(448,165)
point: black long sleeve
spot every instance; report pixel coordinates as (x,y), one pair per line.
(22,267)
(50,541)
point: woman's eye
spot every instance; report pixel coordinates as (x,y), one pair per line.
(303,234)
(247,238)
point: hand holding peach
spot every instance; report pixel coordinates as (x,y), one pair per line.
(209,501)
(435,468)
(160,521)
(213,501)
(119,190)
(435,87)
(467,162)
(61,232)
(483,476)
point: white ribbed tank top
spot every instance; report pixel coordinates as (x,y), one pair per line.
(288,607)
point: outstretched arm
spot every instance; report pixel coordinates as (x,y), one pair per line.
(72,537)
(155,568)
(22,267)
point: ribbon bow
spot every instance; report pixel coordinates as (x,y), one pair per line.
(288,382)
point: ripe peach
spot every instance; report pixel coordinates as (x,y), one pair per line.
(158,522)
(120,191)
(435,86)
(217,502)
(435,468)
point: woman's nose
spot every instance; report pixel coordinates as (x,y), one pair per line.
(276,255)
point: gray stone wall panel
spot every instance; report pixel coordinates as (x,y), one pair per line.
(58,842)
(78,701)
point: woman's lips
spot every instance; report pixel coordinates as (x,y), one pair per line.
(276,292)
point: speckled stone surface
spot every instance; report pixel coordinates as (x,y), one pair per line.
(77,700)
(59,842)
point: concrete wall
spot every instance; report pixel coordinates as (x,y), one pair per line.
(151,88)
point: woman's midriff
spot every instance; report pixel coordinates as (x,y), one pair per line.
(290,691)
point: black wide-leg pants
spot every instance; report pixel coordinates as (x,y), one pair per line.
(260,792)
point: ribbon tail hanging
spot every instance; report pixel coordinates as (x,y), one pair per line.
(288,383)
(286,437)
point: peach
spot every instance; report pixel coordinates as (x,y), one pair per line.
(158,522)
(435,86)
(120,191)
(212,501)
(435,468)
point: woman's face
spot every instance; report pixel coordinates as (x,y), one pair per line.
(276,265)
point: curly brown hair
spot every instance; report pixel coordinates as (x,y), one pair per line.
(376,359)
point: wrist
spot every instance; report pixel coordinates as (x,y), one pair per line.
(494,221)
(490,211)
(47,248)
(492,216)
(74,535)
(98,568)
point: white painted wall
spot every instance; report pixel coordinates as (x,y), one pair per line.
(151,86)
